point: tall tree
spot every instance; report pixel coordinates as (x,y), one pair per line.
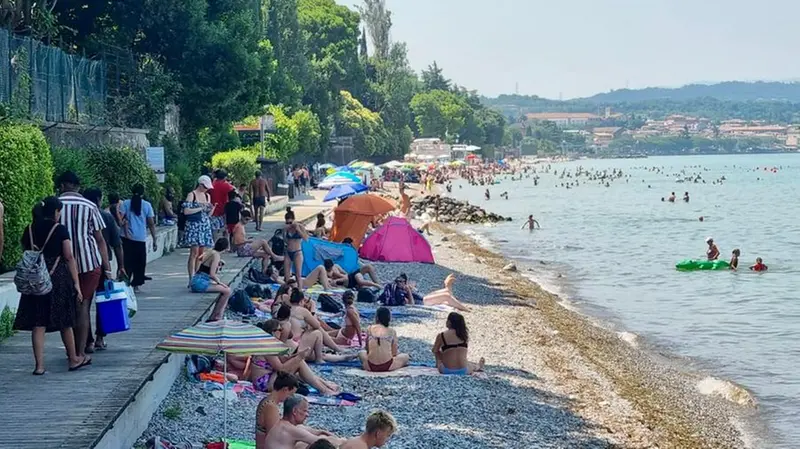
(394,86)
(363,50)
(440,113)
(288,44)
(379,24)
(433,78)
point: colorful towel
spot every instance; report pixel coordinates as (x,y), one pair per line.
(357,364)
(409,371)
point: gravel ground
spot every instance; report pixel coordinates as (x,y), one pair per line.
(550,381)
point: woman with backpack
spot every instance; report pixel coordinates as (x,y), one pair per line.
(54,310)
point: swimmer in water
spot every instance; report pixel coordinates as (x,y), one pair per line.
(713,252)
(671,198)
(759,266)
(530,223)
(686,197)
(734,264)
(487,195)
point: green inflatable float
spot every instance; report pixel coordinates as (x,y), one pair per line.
(694,265)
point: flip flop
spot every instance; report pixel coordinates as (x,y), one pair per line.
(86,362)
(39,373)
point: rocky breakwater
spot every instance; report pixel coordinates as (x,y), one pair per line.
(449,210)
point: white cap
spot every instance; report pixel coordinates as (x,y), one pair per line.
(205,181)
(709,240)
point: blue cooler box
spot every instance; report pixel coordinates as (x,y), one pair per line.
(112,306)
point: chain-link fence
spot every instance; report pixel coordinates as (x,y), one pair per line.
(41,82)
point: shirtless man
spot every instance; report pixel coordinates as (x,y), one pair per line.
(289,431)
(713,251)
(530,223)
(379,428)
(267,413)
(245,247)
(357,279)
(259,192)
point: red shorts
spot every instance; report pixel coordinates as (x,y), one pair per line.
(230,228)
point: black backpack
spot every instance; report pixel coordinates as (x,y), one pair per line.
(240,302)
(278,245)
(258,291)
(258,277)
(329,305)
(365,295)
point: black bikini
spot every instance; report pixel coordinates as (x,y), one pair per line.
(446,346)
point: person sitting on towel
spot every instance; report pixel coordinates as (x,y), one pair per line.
(312,340)
(450,348)
(350,333)
(289,431)
(267,412)
(381,354)
(445,296)
(339,276)
(304,321)
(379,428)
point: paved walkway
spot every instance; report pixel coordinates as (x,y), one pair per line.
(72,410)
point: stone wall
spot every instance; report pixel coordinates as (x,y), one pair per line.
(84,136)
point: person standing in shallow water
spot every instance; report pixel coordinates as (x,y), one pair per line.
(713,252)
(530,223)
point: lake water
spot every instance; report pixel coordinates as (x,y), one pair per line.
(616,247)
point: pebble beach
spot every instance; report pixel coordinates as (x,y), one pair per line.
(552,380)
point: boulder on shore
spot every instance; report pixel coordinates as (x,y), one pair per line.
(450,210)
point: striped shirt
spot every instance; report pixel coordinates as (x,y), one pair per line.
(82,218)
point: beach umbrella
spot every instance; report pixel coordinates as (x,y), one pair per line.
(343,175)
(371,205)
(393,164)
(223,337)
(458,163)
(326,166)
(345,169)
(345,190)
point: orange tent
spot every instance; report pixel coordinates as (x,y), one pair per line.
(353,216)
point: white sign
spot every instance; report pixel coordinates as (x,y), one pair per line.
(267,123)
(155,159)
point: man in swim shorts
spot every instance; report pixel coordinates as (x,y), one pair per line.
(259,192)
(356,279)
(290,429)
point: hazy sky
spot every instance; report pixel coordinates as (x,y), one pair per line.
(577,48)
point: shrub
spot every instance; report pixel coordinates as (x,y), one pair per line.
(117,170)
(240,164)
(75,160)
(26,176)
(6,323)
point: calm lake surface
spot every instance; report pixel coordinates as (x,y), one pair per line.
(616,247)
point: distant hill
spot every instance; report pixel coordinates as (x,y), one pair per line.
(727,91)
(772,101)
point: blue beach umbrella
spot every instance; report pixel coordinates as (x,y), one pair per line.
(343,175)
(345,169)
(345,190)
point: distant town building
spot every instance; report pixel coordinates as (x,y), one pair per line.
(566,119)
(602,136)
(430,148)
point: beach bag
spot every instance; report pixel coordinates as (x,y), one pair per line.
(240,303)
(32,276)
(278,245)
(258,291)
(365,295)
(258,277)
(329,305)
(392,296)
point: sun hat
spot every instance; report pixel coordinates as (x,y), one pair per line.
(204,181)
(709,240)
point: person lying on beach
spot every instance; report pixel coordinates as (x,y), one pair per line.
(530,223)
(445,296)
(339,276)
(311,340)
(303,321)
(290,431)
(713,252)
(282,297)
(381,354)
(379,428)
(245,247)
(734,264)
(759,266)
(450,348)
(267,412)
(351,331)
(262,371)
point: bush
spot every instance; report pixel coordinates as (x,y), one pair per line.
(26,176)
(75,160)
(6,323)
(240,164)
(117,170)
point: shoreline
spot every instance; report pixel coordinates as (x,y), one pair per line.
(665,404)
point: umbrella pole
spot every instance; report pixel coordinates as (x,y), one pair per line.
(225,398)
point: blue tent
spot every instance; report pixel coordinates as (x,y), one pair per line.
(315,251)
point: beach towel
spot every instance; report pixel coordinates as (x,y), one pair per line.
(409,371)
(370,313)
(329,401)
(238,444)
(357,364)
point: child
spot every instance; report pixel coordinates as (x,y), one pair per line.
(233,210)
(759,266)
(735,260)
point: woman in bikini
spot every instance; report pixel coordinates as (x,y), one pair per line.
(206,279)
(351,332)
(445,296)
(450,348)
(320,230)
(303,322)
(294,234)
(381,354)
(267,412)
(311,340)
(245,247)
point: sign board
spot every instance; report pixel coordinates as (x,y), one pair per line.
(155,159)
(267,123)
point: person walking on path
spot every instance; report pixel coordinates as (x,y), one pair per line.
(220,189)
(197,233)
(54,311)
(259,191)
(139,217)
(85,225)
(114,242)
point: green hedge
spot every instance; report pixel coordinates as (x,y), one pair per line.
(74,160)
(6,323)
(26,176)
(240,164)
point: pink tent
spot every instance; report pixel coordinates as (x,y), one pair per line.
(396,241)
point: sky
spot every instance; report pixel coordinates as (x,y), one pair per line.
(576,48)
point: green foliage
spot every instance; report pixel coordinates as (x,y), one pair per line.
(26,176)
(240,164)
(172,412)
(308,132)
(440,113)
(6,323)
(182,163)
(117,170)
(379,24)
(283,143)
(393,86)
(433,78)
(74,160)
(364,126)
